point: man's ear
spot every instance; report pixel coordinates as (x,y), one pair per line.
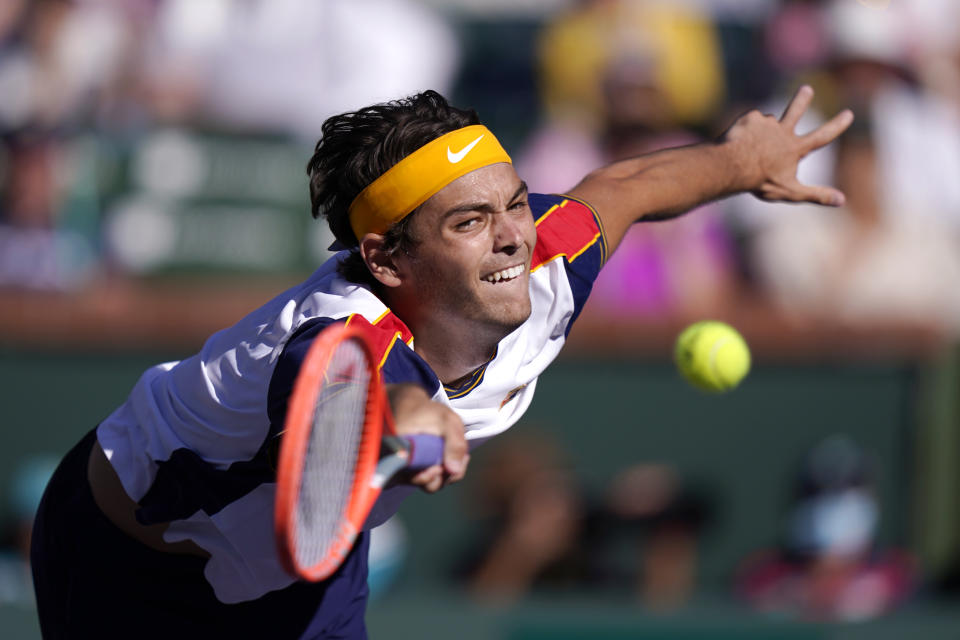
(378,261)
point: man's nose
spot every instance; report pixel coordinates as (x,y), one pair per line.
(507,234)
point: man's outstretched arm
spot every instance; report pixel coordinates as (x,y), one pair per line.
(758,153)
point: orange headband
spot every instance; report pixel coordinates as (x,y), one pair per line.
(410,182)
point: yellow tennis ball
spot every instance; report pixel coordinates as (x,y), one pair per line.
(712,356)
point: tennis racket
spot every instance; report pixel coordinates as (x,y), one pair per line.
(339,449)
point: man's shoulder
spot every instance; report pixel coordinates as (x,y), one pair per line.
(566,227)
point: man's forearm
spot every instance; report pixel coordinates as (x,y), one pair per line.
(670,182)
(759,153)
(662,185)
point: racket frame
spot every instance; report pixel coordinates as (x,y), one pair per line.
(365,487)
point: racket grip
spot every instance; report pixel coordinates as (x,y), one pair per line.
(425,450)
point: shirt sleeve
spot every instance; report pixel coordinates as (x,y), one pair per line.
(393,356)
(569,230)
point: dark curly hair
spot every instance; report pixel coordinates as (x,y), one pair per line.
(358,147)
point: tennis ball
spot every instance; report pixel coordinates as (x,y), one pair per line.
(712,356)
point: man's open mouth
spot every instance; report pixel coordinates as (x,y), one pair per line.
(504,275)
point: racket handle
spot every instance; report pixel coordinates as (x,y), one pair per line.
(425,450)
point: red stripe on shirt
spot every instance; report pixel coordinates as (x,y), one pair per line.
(382,333)
(566,229)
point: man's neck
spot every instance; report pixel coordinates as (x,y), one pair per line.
(452,350)
(453,355)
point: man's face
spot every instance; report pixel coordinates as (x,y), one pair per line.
(471,262)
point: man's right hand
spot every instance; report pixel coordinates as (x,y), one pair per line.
(414,412)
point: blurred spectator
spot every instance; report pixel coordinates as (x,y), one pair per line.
(532,511)
(892,254)
(676,41)
(795,37)
(26,488)
(828,567)
(87,84)
(57,61)
(620,79)
(858,265)
(34,252)
(598,43)
(57,57)
(285,65)
(662,518)
(540,530)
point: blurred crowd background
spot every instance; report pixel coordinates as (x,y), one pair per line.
(150,136)
(153,188)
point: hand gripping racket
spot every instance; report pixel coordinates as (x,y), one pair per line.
(339,449)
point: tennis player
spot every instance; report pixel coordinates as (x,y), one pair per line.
(160,520)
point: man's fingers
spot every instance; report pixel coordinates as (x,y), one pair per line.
(455,454)
(456,466)
(798,106)
(455,448)
(434,478)
(827,132)
(827,196)
(430,479)
(799,192)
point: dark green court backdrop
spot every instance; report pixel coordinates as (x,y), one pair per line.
(607,414)
(743,447)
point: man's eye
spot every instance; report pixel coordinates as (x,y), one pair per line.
(517,206)
(466,224)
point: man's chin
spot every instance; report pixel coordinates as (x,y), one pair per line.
(514,318)
(504,318)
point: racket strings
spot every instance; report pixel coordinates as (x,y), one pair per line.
(332,453)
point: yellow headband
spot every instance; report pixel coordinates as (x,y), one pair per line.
(410,182)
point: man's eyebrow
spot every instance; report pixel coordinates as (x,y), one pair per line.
(521,190)
(485,206)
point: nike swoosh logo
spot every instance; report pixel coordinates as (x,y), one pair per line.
(454,158)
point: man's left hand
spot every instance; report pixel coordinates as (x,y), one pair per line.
(768,150)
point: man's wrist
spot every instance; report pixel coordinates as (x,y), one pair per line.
(741,171)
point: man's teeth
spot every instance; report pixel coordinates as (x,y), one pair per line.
(505,274)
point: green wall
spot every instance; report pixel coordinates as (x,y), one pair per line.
(607,413)
(743,446)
